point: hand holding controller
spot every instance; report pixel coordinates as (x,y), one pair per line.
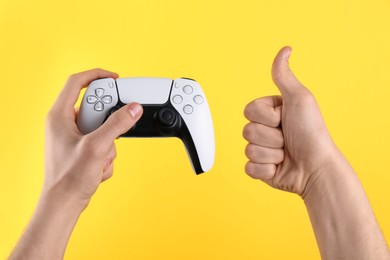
(172,108)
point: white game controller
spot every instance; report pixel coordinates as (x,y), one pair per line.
(172,108)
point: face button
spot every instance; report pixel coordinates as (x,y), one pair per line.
(91,99)
(166,116)
(107,99)
(99,92)
(177,99)
(198,99)
(99,106)
(187,89)
(188,109)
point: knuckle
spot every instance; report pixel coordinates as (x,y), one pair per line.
(250,151)
(97,72)
(109,174)
(248,111)
(262,172)
(73,77)
(248,132)
(250,170)
(51,118)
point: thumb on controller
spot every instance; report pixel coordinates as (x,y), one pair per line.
(119,122)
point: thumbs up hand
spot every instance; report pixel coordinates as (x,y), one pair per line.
(289,143)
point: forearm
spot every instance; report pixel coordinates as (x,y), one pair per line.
(342,218)
(48,232)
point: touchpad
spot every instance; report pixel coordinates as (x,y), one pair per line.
(144,90)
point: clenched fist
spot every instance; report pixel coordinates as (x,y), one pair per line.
(288,140)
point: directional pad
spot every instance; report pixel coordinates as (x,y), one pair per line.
(99,92)
(99,100)
(107,99)
(99,106)
(92,99)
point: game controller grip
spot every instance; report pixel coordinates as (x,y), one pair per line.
(197,120)
(176,108)
(95,105)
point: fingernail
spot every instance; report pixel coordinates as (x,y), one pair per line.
(134,109)
(287,55)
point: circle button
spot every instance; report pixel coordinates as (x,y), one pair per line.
(177,99)
(198,99)
(188,109)
(187,89)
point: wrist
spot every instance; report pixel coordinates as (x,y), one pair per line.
(334,177)
(50,228)
(58,199)
(340,213)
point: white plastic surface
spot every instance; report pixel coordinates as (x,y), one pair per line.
(144,90)
(90,119)
(199,122)
(156,91)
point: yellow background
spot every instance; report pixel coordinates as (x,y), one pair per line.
(155,207)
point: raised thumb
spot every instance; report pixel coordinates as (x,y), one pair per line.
(282,75)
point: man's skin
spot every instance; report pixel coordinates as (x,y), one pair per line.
(75,165)
(289,148)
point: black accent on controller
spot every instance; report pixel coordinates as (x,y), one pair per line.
(162,121)
(185,136)
(166,117)
(188,79)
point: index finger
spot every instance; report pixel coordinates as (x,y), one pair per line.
(266,111)
(71,91)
